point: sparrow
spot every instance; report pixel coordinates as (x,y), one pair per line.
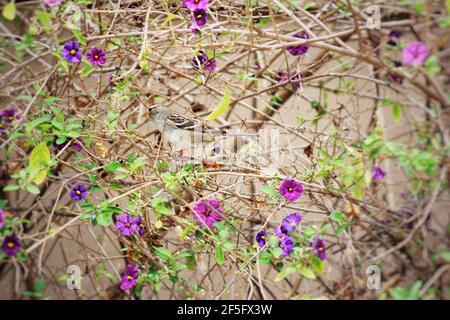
(181,131)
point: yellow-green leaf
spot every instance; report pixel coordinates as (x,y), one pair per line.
(38,161)
(221,107)
(307,273)
(9,11)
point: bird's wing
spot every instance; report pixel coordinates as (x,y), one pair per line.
(183,122)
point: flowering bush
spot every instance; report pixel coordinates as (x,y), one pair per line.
(195,149)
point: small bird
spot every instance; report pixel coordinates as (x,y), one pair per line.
(183,132)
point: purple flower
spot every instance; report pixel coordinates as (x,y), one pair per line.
(113,82)
(96,56)
(196,4)
(261,238)
(199,60)
(76,145)
(71,52)
(207,212)
(285,77)
(415,53)
(79,192)
(291,222)
(287,245)
(281,232)
(52,3)
(126,224)
(140,226)
(199,16)
(7,116)
(378,173)
(318,246)
(194,28)
(300,49)
(396,77)
(2,219)
(11,245)
(394,34)
(291,189)
(129,277)
(210,64)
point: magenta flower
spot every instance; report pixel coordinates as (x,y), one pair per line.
(139,226)
(71,52)
(378,173)
(126,224)
(2,219)
(52,3)
(96,56)
(210,65)
(300,49)
(207,212)
(415,53)
(196,4)
(287,245)
(291,222)
(261,238)
(291,189)
(79,192)
(199,16)
(129,277)
(318,247)
(11,245)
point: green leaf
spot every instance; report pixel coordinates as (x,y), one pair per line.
(219,254)
(317,264)
(80,37)
(9,11)
(38,161)
(284,273)
(277,252)
(265,257)
(341,228)
(162,206)
(307,273)
(432,65)
(337,216)
(221,107)
(397,109)
(45,19)
(104,219)
(86,71)
(445,255)
(164,253)
(31,188)
(113,166)
(39,285)
(11,187)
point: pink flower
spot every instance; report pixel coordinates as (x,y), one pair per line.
(415,53)
(52,3)
(207,212)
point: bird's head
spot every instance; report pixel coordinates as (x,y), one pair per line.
(154,110)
